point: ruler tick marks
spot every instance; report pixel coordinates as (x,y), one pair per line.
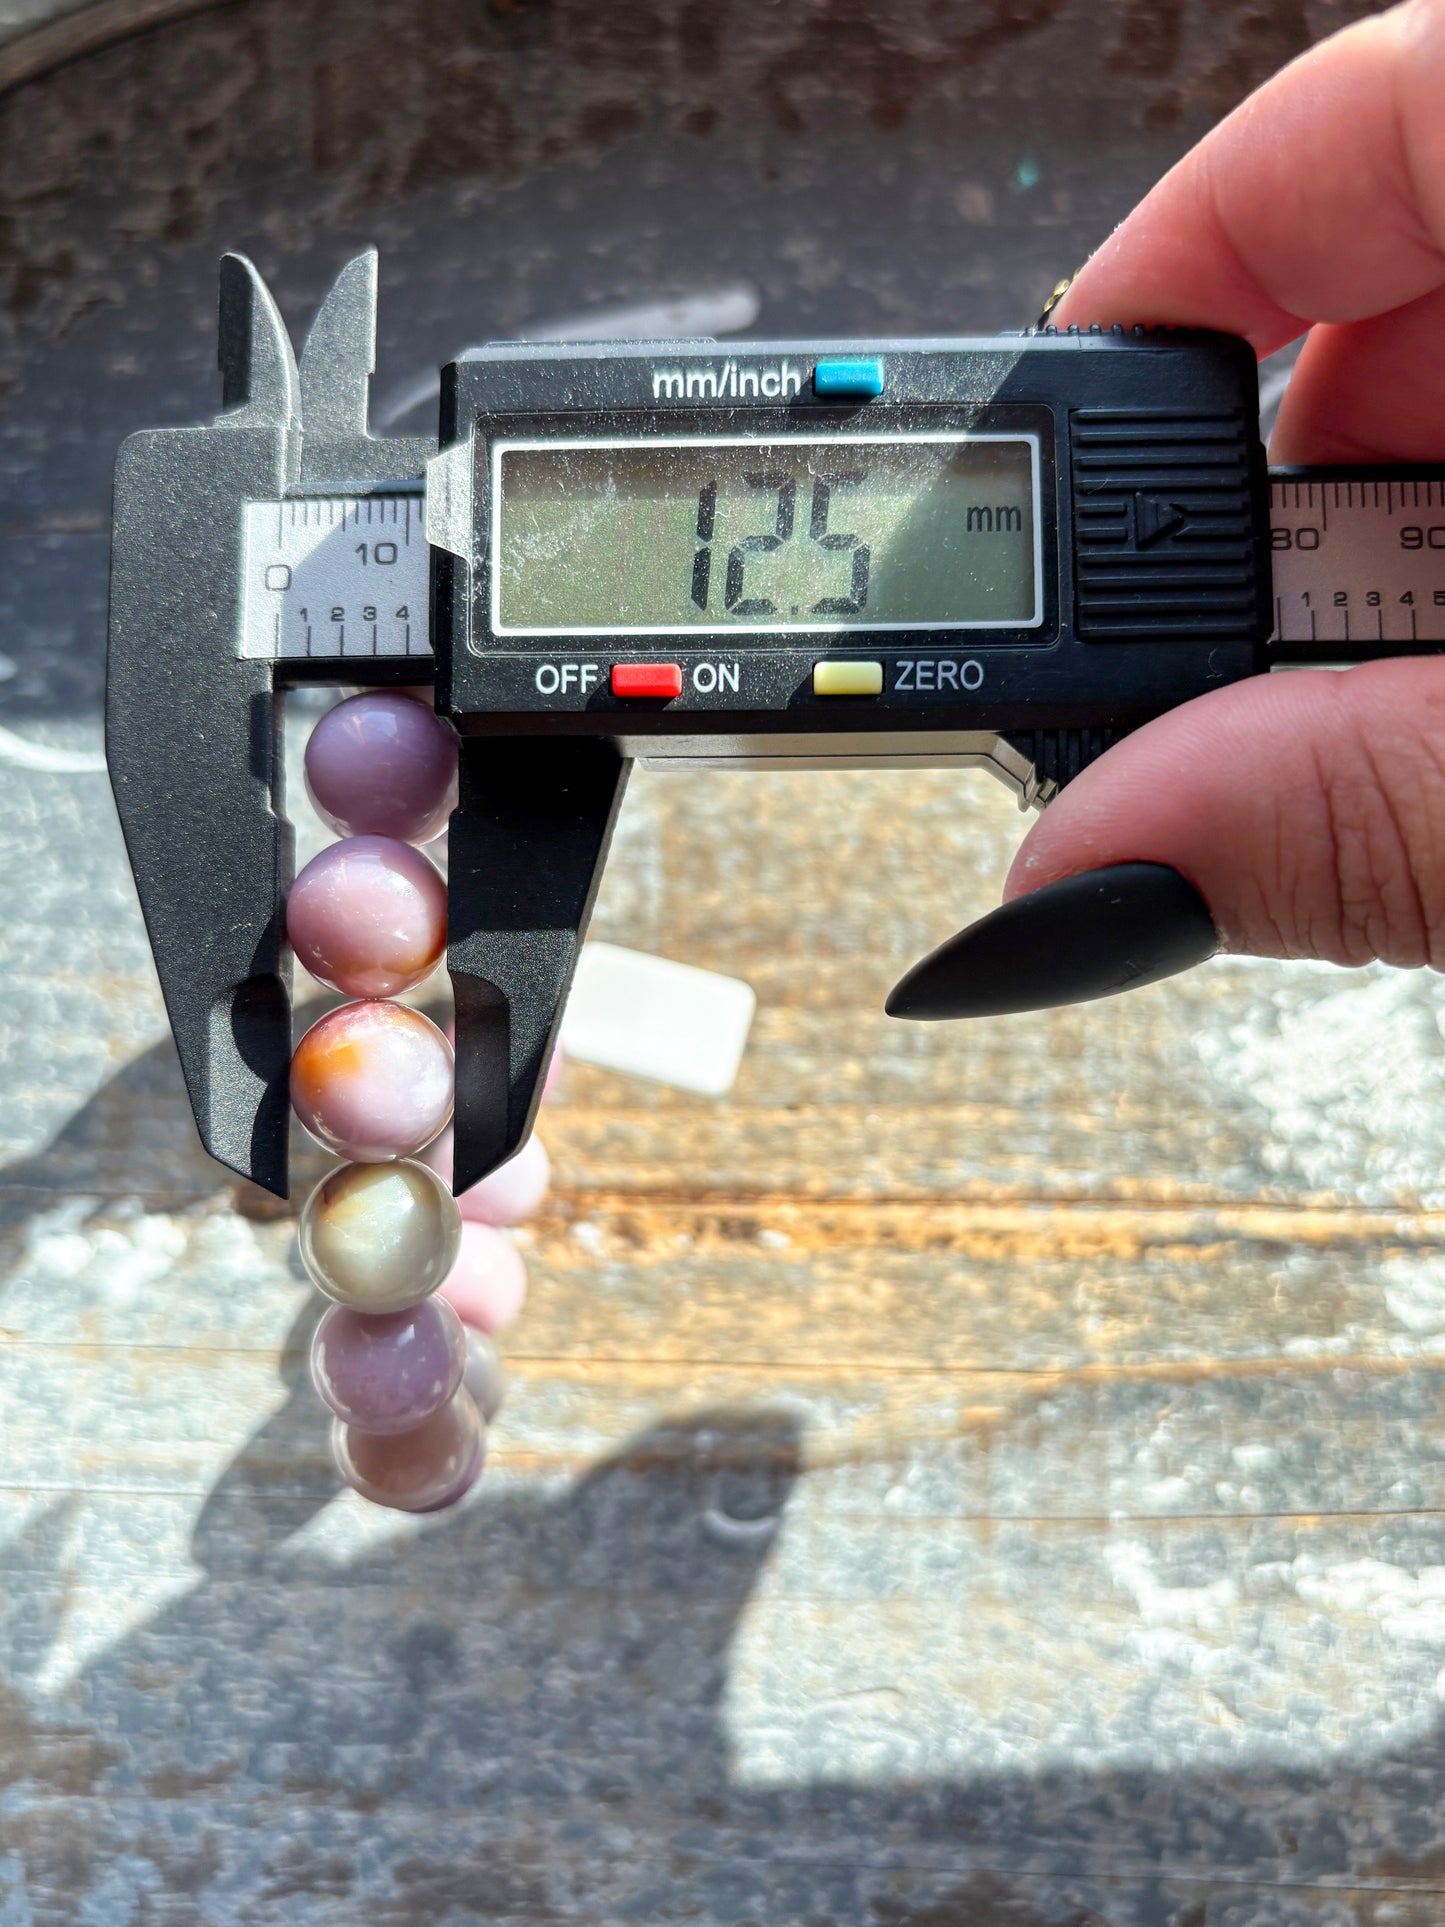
(300,555)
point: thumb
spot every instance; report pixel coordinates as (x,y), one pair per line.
(1298,815)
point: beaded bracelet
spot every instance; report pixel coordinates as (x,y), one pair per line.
(419,1280)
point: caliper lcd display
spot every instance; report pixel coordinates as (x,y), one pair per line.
(659,536)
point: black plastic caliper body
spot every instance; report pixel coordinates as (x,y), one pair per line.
(997,552)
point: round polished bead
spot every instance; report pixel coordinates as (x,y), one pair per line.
(487,1285)
(373,1081)
(380,1237)
(483,1376)
(382,764)
(422,1470)
(510,1194)
(368,916)
(386,1373)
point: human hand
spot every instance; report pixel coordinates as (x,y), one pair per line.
(1298,815)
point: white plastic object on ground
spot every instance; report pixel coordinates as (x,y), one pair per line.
(655,1018)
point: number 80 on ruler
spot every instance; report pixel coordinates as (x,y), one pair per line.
(335,577)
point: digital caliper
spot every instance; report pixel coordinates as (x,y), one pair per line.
(1000,551)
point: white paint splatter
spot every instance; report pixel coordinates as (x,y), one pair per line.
(1349,1079)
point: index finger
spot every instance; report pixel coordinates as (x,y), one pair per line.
(1321,198)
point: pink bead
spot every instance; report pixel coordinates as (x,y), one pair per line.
(373,1081)
(387,1373)
(381,764)
(487,1286)
(422,1470)
(368,916)
(512,1192)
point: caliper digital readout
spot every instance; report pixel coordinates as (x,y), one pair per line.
(754,537)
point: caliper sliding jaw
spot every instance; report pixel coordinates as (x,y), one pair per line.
(193,743)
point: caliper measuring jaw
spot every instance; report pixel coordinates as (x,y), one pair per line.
(192,723)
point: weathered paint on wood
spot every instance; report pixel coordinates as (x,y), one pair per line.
(988,1476)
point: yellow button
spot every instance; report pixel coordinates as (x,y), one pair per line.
(847,679)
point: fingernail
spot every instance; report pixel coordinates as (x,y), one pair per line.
(1085,936)
(1060,290)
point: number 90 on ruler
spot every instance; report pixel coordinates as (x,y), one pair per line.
(1357,558)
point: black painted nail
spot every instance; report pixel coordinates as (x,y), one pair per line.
(1085,936)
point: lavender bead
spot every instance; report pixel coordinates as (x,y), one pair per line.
(386,1374)
(422,1470)
(373,1081)
(368,916)
(380,1237)
(484,1377)
(380,764)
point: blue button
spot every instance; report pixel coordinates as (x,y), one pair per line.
(855,378)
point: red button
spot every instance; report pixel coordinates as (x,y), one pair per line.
(646,679)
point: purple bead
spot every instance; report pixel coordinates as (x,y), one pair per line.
(381,764)
(368,916)
(422,1470)
(386,1373)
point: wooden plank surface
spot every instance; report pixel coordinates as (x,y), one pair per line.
(987,1476)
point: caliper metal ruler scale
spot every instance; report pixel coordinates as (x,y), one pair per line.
(998,552)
